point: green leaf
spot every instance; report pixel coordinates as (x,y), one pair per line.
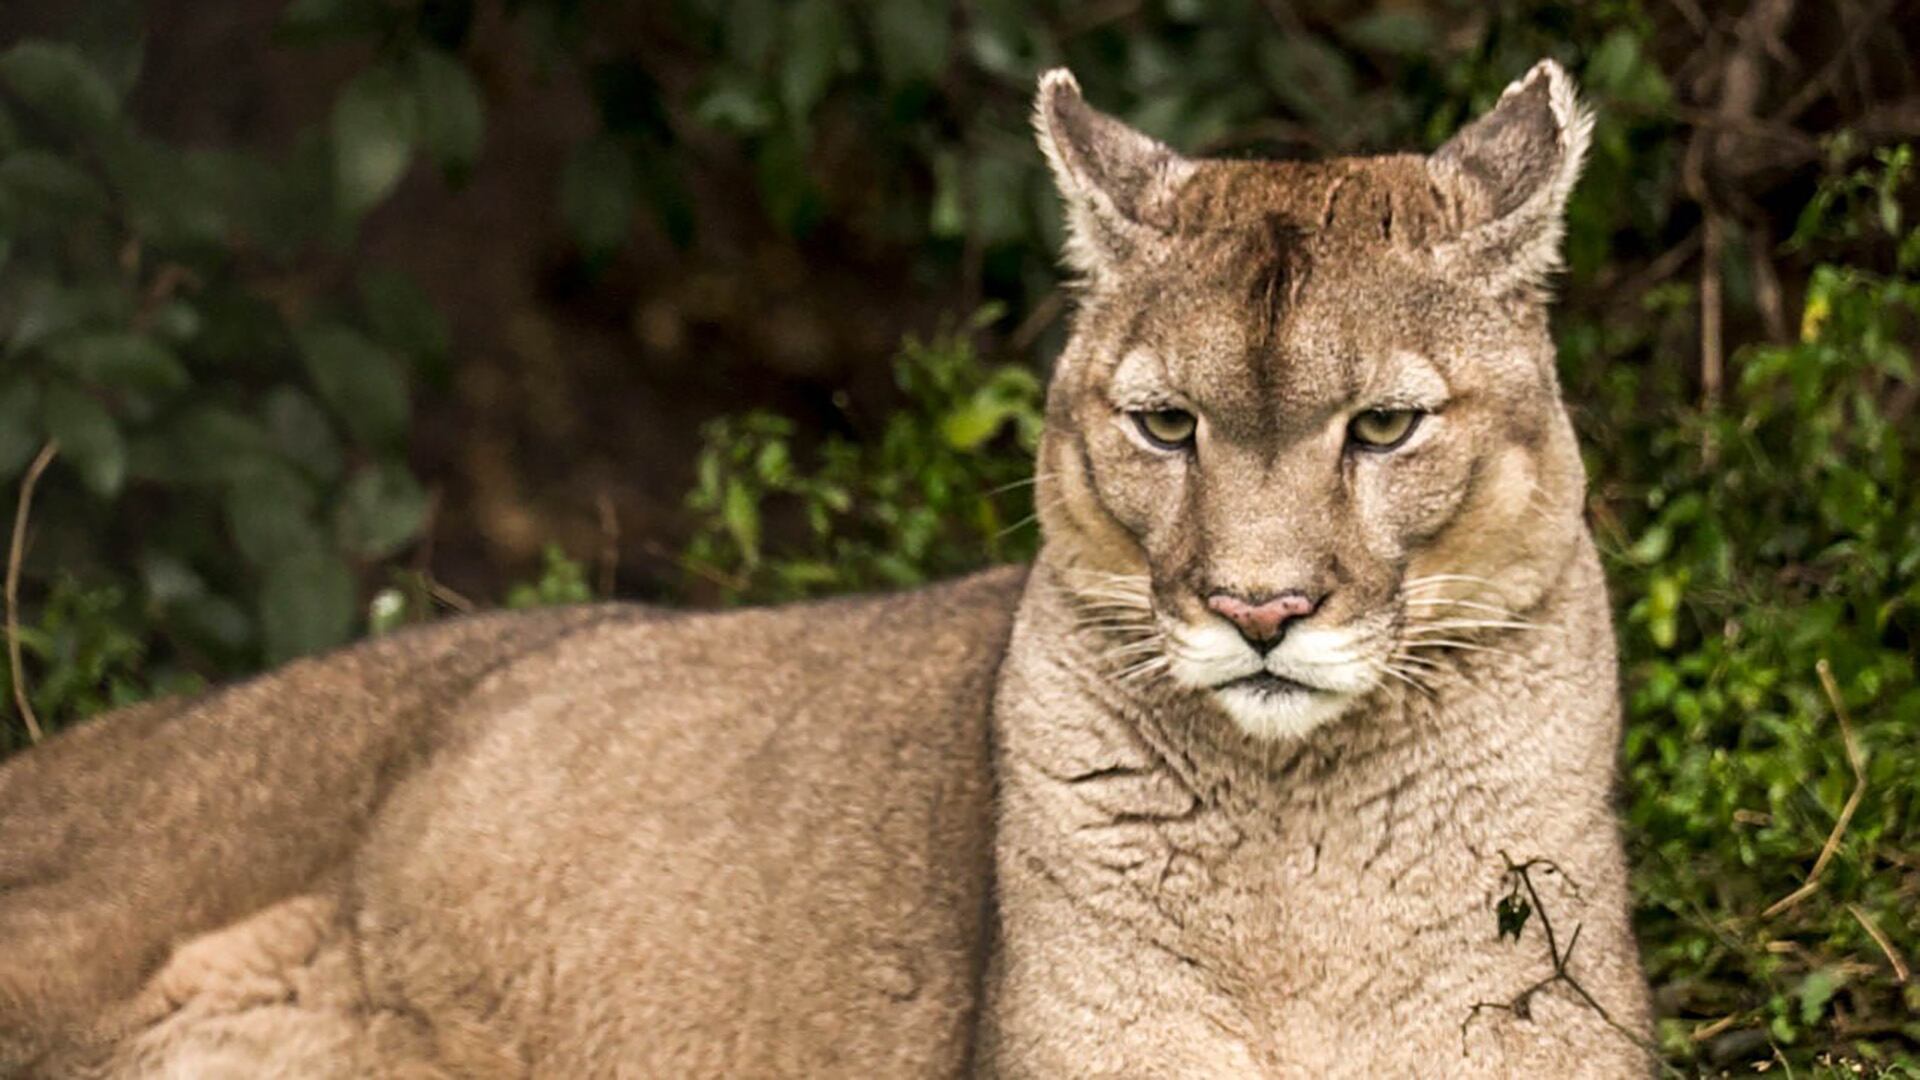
(1815,992)
(787,189)
(300,431)
(171,197)
(380,510)
(207,444)
(57,81)
(452,115)
(562,581)
(120,360)
(741,514)
(375,121)
(735,104)
(1652,545)
(271,514)
(598,195)
(361,382)
(89,439)
(43,184)
(816,32)
(912,38)
(307,603)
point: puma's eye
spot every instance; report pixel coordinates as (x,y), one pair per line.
(1383,429)
(1168,429)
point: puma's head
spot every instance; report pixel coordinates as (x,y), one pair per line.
(1306,439)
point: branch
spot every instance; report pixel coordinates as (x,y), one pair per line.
(16,553)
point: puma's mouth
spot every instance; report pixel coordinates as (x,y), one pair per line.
(1267,684)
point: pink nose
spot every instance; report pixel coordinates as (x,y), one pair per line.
(1261,622)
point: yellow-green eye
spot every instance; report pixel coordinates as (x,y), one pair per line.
(1168,429)
(1383,429)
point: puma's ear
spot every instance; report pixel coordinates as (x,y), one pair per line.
(1507,176)
(1118,185)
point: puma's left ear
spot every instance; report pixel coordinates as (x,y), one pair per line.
(1118,184)
(1507,176)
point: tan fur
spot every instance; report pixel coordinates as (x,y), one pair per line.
(877,837)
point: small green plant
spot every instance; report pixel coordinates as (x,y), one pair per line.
(87,658)
(944,487)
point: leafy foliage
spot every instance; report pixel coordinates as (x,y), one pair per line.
(1778,533)
(928,498)
(158,328)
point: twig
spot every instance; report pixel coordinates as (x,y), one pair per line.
(1629,290)
(1854,759)
(1821,84)
(1900,972)
(1712,347)
(1708,1031)
(1766,285)
(1696,18)
(449,597)
(1520,877)
(1037,321)
(16,553)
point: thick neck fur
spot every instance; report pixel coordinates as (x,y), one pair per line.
(1180,899)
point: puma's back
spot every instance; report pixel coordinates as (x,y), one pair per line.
(595,841)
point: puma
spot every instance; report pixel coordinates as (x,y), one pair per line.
(1226,784)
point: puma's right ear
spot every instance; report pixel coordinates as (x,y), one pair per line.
(1508,175)
(1118,184)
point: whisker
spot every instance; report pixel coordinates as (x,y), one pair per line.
(1408,679)
(1151,666)
(1441,601)
(1473,624)
(1466,645)
(1436,580)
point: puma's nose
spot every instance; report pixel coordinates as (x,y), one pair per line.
(1262,621)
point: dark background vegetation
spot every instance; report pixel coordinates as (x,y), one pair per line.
(321,317)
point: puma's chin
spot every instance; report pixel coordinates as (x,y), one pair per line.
(1271,707)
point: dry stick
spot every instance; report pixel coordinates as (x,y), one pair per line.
(1846,812)
(15,554)
(1712,346)
(1708,1031)
(1900,972)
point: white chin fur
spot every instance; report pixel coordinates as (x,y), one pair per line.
(1331,660)
(1282,715)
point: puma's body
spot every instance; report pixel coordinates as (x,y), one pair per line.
(1315,643)
(590,842)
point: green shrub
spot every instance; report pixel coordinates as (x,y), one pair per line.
(944,487)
